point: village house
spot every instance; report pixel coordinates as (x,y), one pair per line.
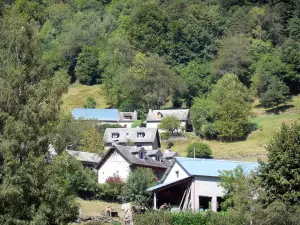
(121,160)
(154,118)
(88,159)
(193,184)
(140,137)
(104,116)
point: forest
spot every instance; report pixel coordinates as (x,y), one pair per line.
(145,53)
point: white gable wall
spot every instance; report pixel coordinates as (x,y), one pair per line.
(115,164)
(208,187)
(155,125)
(173,175)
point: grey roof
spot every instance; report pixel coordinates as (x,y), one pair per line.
(130,134)
(125,152)
(122,116)
(153,152)
(135,149)
(181,114)
(85,156)
(170,154)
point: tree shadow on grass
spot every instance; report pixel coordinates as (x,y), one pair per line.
(276,110)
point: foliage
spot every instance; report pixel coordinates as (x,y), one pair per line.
(92,141)
(188,218)
(137,123)
(167,218)
(90,103)
(170,124)
(280,175)
(155,218)
(111,190)
(224,112)
(148,82)
(276,94)
(199,150)
(32,191)
(136,185)
(87,68)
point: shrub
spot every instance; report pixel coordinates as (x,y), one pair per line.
(201,150)
(90,103)
(184,218)
(167,218)
(112,188)
(137,123)
(136,185)
(154,218)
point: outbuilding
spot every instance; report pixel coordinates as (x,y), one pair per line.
(191,183)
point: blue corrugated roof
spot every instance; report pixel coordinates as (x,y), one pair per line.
(96,114)
(211,167)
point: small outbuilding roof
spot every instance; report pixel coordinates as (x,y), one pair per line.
(85,156)
(96,114)
(212,167)
(158,115)
(169,184)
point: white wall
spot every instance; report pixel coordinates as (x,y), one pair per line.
(114,164)
(206,186)
(155,125)
(173,175)
(128,124)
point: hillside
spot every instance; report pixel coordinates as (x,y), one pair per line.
(78,93)
(251,149)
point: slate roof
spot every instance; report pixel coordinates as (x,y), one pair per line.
(125,152)
(122,116)
(153,152)
(170,154)
(211,167)
(96,114)
(85,156)
(126,134)
(181,114)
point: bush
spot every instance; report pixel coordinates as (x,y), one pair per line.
(201,150)
(167,218)
(90,103)
(136,185)
(154,218)
(137,123)
(112,188)
(184,218)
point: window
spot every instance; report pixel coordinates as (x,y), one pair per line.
(140,134)
(157,158)
(127,117)
(142,155)
(177,173)
(115,135)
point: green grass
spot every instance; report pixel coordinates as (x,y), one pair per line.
(96,208)
(252,149)
(77,94)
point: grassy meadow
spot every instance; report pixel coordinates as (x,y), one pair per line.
(78,93)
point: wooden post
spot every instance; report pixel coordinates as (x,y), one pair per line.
(154,200)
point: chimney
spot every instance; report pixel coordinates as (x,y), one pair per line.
(151,110)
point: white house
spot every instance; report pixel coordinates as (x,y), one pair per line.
(154,117)
(121,160)
(140,137)
(126,119)
(194,183)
